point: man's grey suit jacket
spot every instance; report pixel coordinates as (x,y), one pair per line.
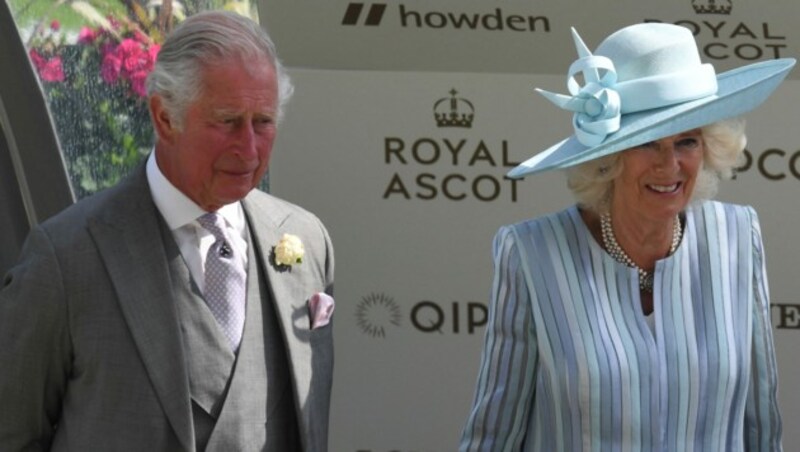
(90,346)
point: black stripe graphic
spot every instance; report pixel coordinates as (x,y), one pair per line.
(352,13)
(375,14)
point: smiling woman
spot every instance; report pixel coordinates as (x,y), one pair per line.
(654,184)
(648,187)
(609,320)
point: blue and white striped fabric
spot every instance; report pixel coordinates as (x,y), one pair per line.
(570,363)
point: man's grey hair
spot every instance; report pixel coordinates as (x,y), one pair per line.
(203,39)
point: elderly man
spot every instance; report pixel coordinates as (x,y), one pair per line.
(181,309)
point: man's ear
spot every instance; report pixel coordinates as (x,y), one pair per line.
(164,124)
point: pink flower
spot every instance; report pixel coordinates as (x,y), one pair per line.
(128,46)
(37,59)
(153,51)
(110,68)
(86,35)
(138,84)
(152,55)
(132,56)
(53,70)
(55,25)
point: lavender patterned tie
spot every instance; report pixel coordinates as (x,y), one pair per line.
(225,281)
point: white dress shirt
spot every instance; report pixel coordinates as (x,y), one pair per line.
(181,213)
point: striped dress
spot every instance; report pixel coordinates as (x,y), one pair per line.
(571,364)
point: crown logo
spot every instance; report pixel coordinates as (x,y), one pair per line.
(453,111)
(712,6)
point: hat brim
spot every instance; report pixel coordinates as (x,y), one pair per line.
(739,91)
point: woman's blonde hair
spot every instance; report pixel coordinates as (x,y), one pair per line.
(592,182)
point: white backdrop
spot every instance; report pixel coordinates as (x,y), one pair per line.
(412,207)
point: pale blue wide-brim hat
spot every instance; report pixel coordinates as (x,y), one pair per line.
(643,83)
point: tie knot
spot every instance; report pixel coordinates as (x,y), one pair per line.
(214,224)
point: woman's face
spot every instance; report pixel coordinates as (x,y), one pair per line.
(658,177)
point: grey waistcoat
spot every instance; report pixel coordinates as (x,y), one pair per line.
(240,402)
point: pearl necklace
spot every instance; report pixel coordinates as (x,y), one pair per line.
(615,250)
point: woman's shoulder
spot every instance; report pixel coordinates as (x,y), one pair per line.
(560,217)
(539,229)
(718,210)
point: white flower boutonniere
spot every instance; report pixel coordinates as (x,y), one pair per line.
(289,250)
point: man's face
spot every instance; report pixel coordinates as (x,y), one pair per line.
(223,146)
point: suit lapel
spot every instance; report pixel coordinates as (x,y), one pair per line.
(129,239)
(268,222)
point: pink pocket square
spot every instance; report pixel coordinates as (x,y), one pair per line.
(320,308)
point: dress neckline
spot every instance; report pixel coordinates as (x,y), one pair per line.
(596,247)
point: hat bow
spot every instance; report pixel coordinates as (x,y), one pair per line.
(600,103)
(596,104)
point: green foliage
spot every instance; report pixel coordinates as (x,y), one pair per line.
(95,90)
(104,129)
(31,15)
(92,67)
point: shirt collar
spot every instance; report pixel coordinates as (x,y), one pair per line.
(177,209)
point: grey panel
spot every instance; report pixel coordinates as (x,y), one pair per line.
(13,224)
(34,180)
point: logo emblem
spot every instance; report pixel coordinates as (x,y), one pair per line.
(453,111)
(376,313)
(712,6)
(373,18)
